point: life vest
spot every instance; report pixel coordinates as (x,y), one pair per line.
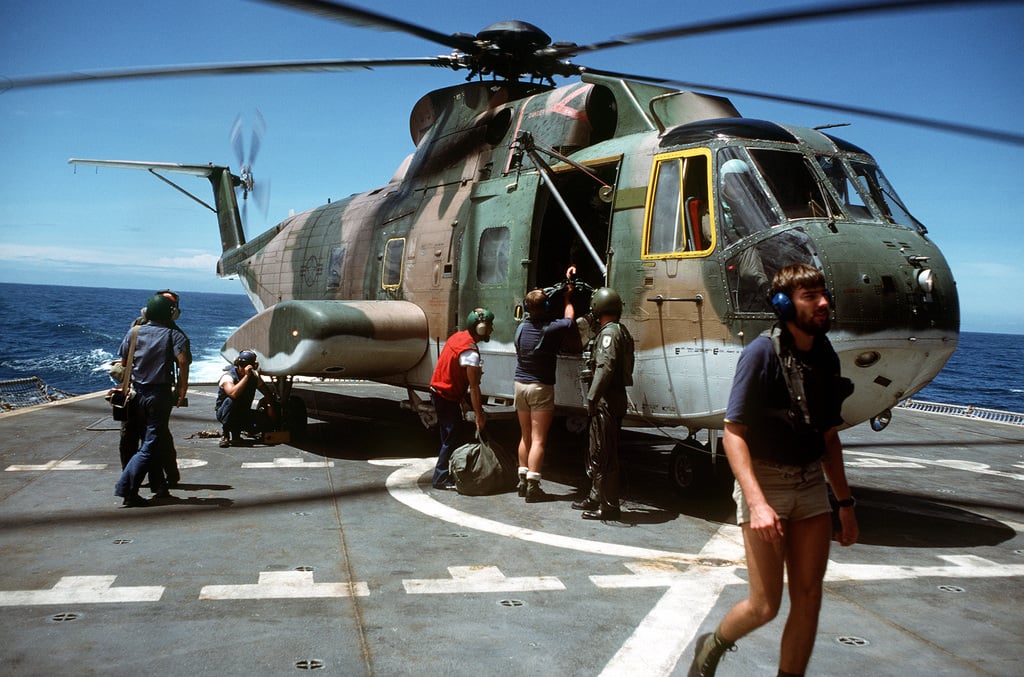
(450,380)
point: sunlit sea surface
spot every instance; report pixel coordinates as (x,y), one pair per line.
(66,336)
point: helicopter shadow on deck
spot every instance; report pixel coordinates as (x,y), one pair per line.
(356,427)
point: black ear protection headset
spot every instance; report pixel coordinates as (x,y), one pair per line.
(784,307)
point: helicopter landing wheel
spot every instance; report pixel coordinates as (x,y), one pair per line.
(687,467)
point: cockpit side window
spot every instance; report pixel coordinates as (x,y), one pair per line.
(874,183)
(794,184)
(744,208)
(679,212)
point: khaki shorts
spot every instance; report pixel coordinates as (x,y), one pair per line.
(534,397)
(795,492)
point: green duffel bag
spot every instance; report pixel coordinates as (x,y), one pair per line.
(482,467)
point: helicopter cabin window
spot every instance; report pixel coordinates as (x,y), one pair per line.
(851,199)
(874,183)
(334,267)
(391,269)
(794,185)
(492,257)
(678,215)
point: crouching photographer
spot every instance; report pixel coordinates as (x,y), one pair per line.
(235,393)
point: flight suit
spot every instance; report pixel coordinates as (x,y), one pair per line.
(609,369)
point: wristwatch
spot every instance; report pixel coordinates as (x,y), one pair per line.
(847,502)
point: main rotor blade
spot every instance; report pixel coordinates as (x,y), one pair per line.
(773,18)
(357,16)
(913,120)
(314,66)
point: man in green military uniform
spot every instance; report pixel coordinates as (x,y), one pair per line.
(608,370)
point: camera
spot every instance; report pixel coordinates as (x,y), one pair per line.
(184,402)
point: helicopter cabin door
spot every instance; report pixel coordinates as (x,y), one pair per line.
(678,237)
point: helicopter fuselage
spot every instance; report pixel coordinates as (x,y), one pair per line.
(670,197)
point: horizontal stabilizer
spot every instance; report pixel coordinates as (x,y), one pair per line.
(334,339)
(194,170)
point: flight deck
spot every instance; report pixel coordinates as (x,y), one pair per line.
(332,553)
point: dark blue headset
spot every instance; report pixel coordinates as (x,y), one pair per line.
(784,307)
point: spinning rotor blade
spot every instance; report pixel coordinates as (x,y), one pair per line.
(313,66)
(357,16)
(928,123)
(772,18)
(236,141)
(259,127)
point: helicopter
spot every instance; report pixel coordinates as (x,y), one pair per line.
(655,187)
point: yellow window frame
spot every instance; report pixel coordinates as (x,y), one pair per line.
(384,267)
(656,164)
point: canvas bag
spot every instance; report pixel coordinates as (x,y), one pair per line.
(482,467)
(119,397)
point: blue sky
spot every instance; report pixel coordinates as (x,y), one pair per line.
(331,135)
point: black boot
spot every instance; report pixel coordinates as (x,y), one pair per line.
(521,487)
(706,654)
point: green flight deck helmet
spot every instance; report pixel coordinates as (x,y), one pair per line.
(480,323)
(606,301)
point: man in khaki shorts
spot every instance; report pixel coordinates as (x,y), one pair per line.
(537,341)
(782,442)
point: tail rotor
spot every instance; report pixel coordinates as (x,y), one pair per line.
(247,183)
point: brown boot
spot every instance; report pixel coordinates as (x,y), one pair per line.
(706,654)
(534,494)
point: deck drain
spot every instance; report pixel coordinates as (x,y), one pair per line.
(458,534)
(951,588)
(64,617)
(1018,552)
(309,664)
(303,568)
(302,514)
(301,479)
(849,640)
(122,541)
(512,602)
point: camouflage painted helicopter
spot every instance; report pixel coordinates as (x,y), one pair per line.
(666,194)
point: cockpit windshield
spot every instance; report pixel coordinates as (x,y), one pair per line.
(873,183)
(794,184)
(803,187)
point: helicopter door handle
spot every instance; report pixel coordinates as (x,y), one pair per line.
(659,299)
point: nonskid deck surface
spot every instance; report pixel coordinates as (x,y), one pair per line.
(333,553)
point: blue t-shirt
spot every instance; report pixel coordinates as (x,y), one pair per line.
(537,350)
(155,351)
(760,400)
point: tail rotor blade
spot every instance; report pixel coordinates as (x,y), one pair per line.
(259,128)
(236,141)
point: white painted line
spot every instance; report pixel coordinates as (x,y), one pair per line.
(82,590)
(477,579)
(660,640)
(284,585)
(969,466)
(965,566)
(402,485)
(57,465)
(291,463)
(878,463)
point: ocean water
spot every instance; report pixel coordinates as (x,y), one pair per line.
(66,335)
